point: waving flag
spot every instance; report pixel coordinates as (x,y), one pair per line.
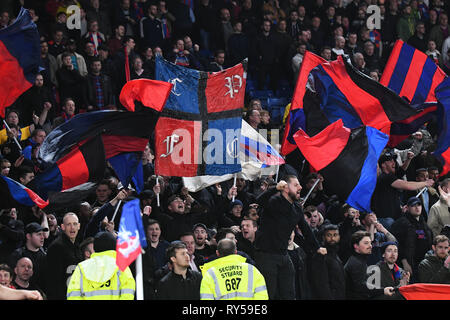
(151,93)
(414,76)
(342,92)
(411,74)
(197,133)
(426,291)
(84,163)
(347,159)
(347,94)
(442,151)
(296,116)
(20,53)
(75,153)
(131,237)
(256,155)
(12,193)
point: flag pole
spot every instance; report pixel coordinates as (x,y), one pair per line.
(15,139)
(421,191)
(234,183)
(311,190)
(157,195)
(117,209)
(276,176)
(139,278)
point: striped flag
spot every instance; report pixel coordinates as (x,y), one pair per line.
(412,75)
(12,193)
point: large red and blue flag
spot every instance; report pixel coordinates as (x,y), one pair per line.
(342,92)
(13,193)
(75,153)
(19,58)
(131,237)
(442,151)
(198,131)
(347,159)
(84,163)
(413,76)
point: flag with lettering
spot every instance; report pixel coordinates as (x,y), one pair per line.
(199,128)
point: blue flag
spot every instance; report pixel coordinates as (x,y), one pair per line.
(131,238)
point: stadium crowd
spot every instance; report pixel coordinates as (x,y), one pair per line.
(314,249)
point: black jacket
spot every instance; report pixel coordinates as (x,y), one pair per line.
(414,237)
(62,258)
(356,279)
(277,222)
(90,92)
(11,237)
(71,85)
(432,270)
(327,276)
(174,287)
(173,225)
(39,259)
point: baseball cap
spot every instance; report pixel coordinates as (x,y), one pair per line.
(34,227)
(413,201)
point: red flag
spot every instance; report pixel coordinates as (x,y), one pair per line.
(152,93)
(426,291)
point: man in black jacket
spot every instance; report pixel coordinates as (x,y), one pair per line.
(282,213)
(175,221)
(357,283)
(33,249)
(63,255)
(327,271)
(413,235)
(435,268)
(181,283)
(71,82)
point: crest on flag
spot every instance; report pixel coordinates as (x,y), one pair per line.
(199,128)
(131,237)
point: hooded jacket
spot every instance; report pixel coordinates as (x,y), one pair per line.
(99,278)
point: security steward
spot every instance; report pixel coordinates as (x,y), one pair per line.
(99,278)
(230,278)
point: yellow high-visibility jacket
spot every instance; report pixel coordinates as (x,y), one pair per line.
(99,278)
(230,278)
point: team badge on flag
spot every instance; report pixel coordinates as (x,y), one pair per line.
(198,131)
(131,238)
